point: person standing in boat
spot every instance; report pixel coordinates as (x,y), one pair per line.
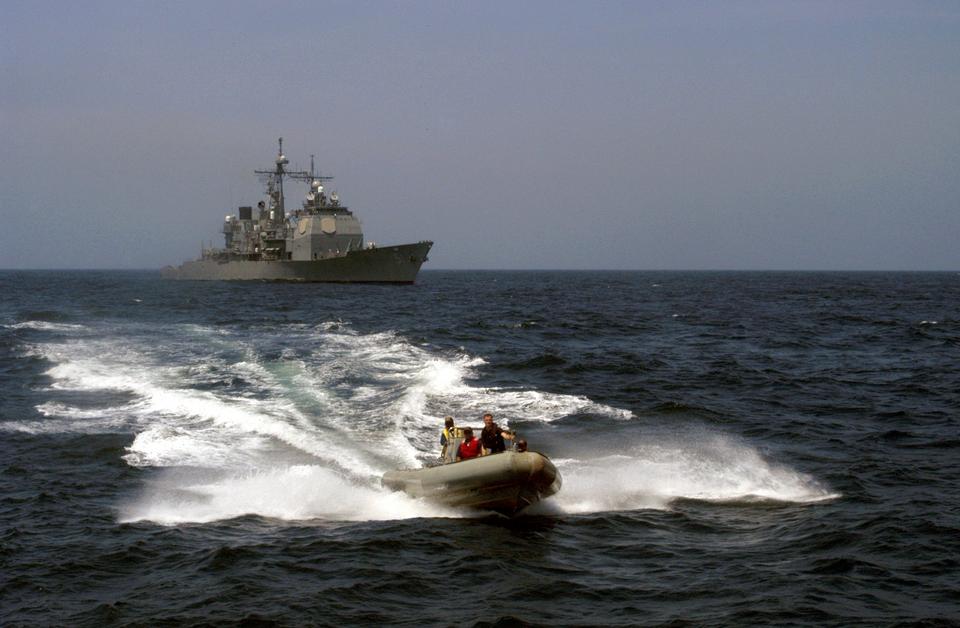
(492,436)
(470,447)
(446,436)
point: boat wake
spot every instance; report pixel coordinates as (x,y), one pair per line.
(704,467)
(300,423)
(290,493)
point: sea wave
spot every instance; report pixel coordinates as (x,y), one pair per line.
(707,467)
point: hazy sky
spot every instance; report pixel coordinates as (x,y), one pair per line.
(637,135)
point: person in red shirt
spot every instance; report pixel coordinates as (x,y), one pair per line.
(470,447)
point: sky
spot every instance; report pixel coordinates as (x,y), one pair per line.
(515,135)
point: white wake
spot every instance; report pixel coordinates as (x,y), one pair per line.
(300,423)
(707,467)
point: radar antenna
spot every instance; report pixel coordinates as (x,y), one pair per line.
(274,182)
(309,177)
(316,199)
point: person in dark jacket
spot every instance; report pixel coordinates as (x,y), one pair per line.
(492,436)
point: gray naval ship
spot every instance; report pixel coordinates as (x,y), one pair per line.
(320,241)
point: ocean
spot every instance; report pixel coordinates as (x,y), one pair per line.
(737,448)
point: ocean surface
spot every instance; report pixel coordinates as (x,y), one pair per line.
(737,449)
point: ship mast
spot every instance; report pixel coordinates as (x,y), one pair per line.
(315,181)
(274,179)
(309,177)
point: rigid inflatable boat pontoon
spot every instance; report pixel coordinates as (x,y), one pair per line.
(506,482)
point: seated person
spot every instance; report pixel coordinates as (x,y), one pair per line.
(470,447)
(492,436)
(521,445)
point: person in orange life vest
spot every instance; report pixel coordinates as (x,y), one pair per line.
(470,447)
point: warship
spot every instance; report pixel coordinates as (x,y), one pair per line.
(322,241)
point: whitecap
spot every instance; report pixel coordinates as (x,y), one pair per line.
(714,468)
(294,493)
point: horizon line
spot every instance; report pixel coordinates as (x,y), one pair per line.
(561,270)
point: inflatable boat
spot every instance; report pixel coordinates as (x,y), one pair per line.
(505,483)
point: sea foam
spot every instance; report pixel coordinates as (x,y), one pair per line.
(707,467)
(305,431)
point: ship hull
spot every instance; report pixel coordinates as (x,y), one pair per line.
(390,264)
(505,483)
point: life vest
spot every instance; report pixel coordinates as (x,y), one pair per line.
(449,433)
(470,449)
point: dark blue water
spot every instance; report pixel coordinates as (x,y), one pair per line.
(737,448)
